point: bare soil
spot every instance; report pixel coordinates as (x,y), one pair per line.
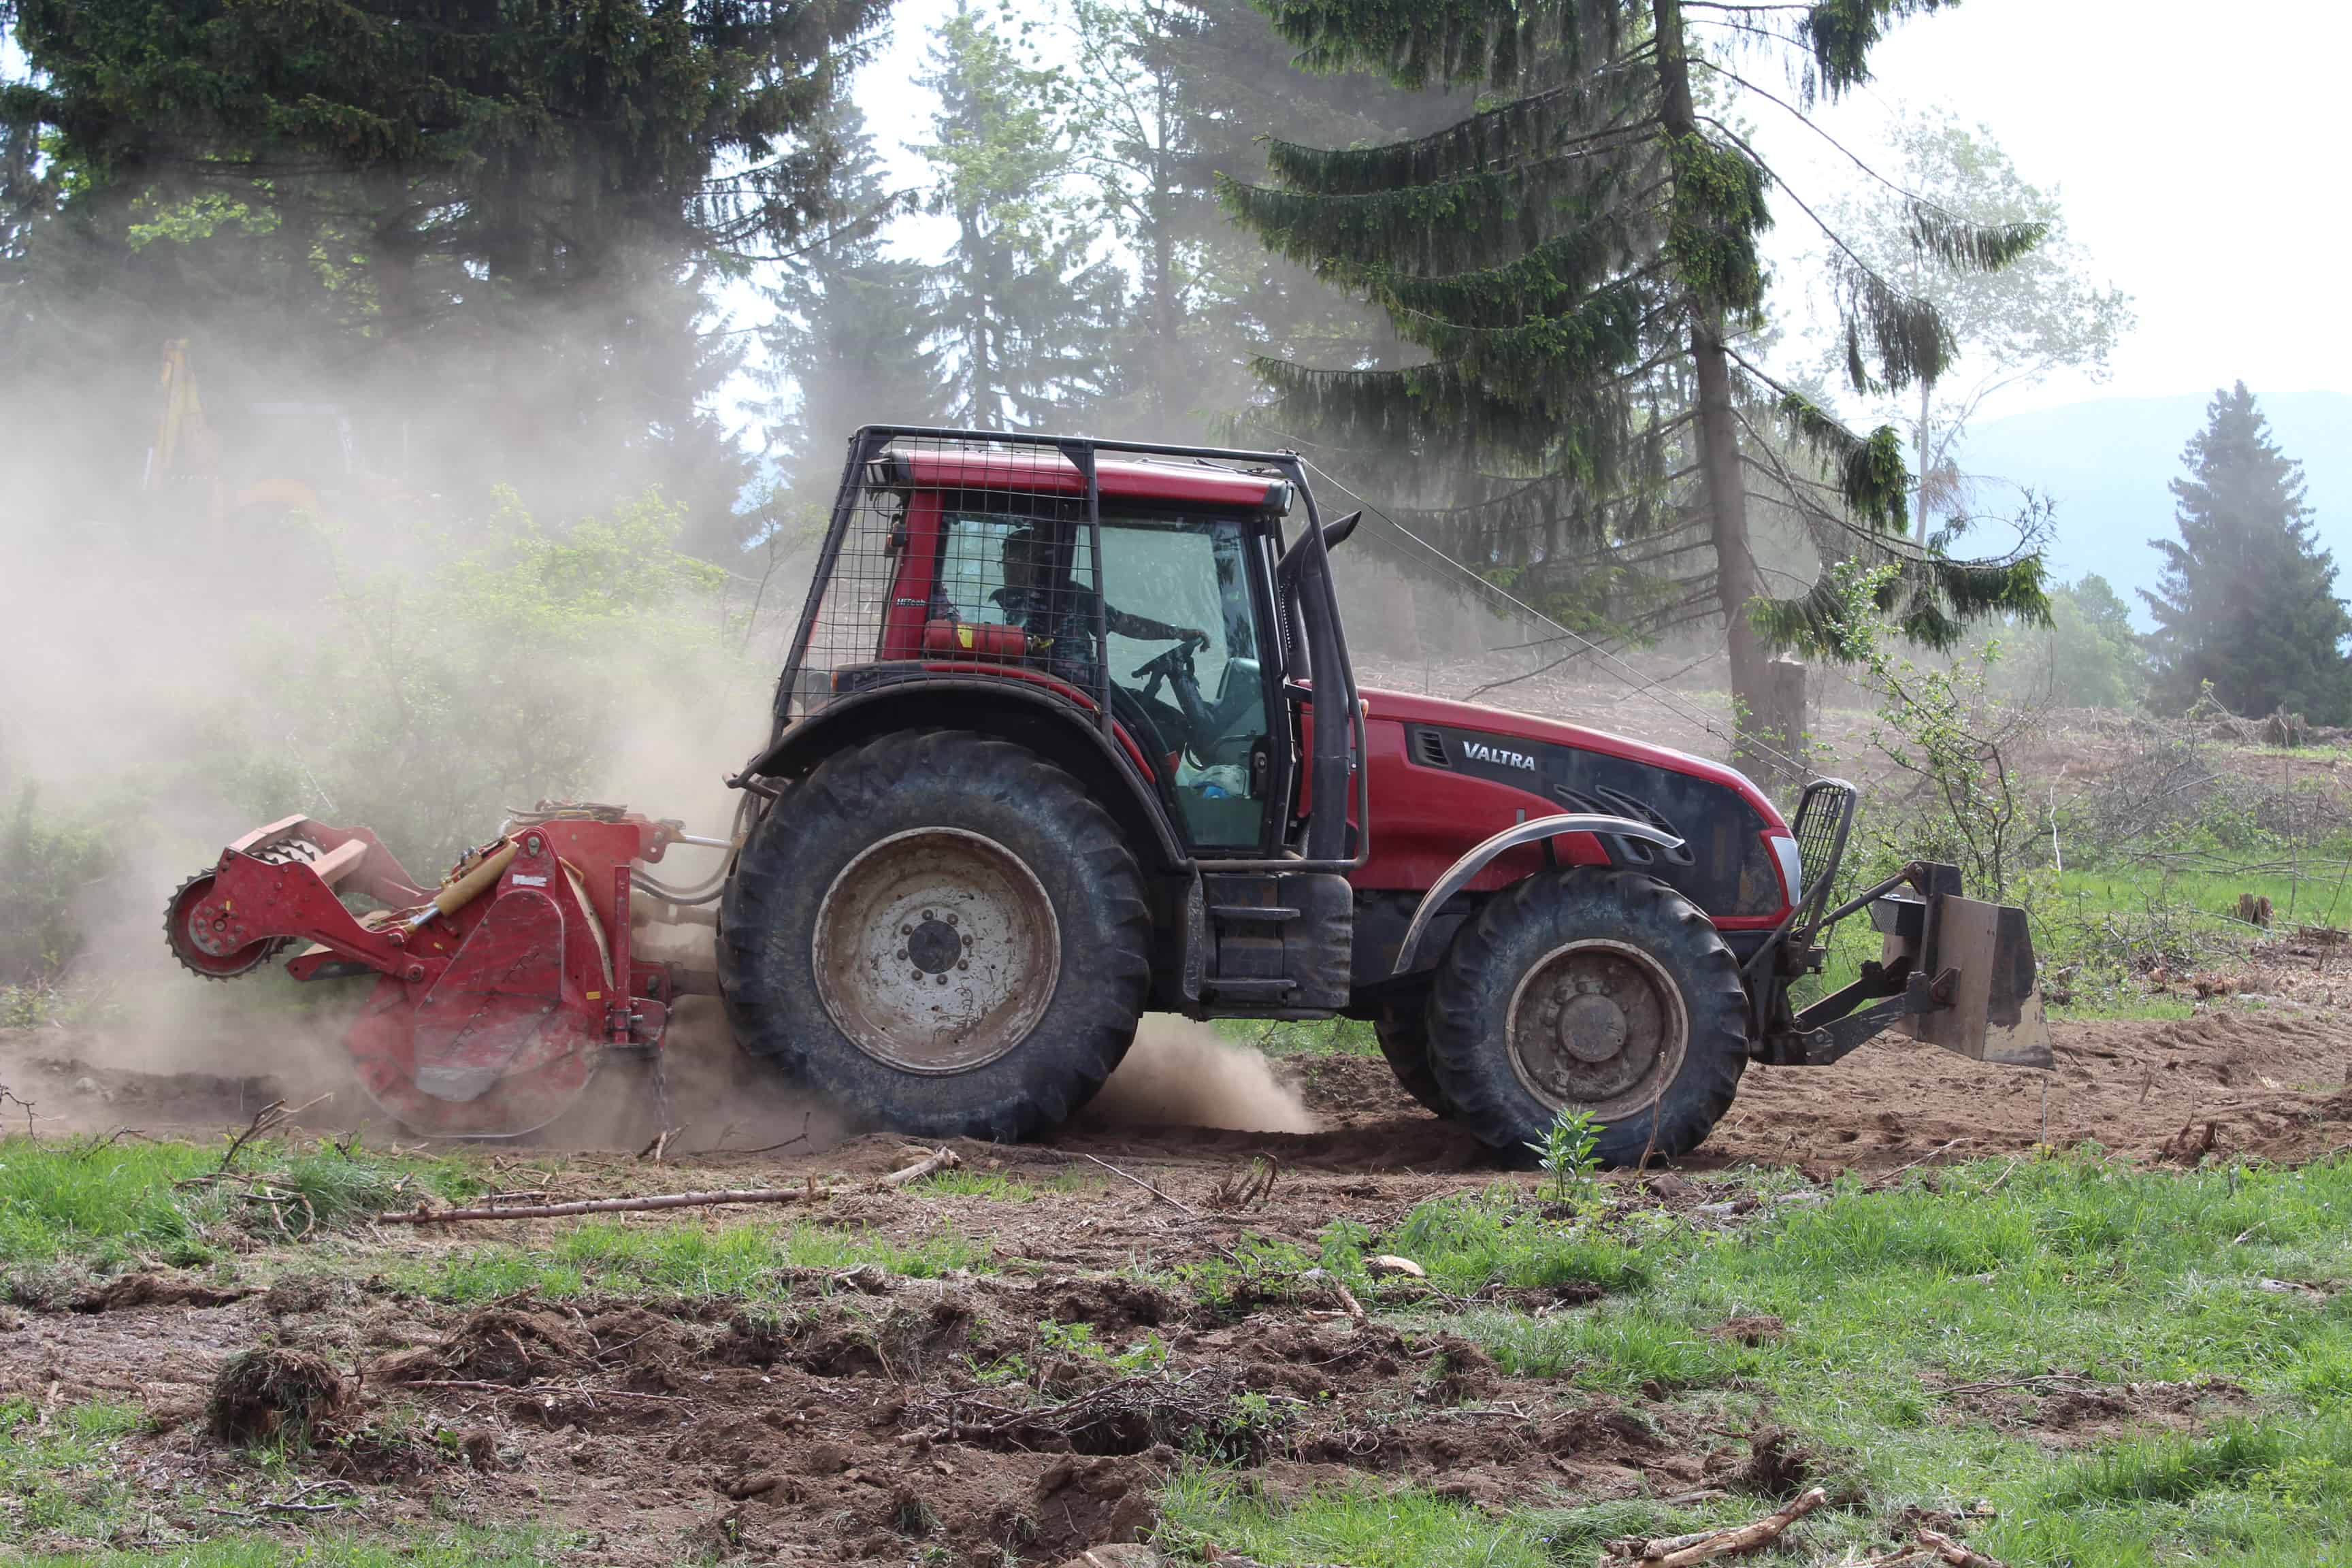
(872,1416)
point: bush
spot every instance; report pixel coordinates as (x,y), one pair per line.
(46,865)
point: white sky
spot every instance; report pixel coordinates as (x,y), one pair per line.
(2190,150)
(2191,146)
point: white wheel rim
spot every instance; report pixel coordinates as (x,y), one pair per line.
(1597,1025)
(936,951)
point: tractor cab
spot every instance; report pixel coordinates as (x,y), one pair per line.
(1145,593)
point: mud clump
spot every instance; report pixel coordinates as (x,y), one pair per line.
(1113,1301)
(495,1345)
(267,1392)
(1777,1466)
(1078,1503)
(125,1291)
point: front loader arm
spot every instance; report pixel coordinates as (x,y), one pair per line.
(1952,971)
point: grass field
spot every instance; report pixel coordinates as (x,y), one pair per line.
(1924,1344)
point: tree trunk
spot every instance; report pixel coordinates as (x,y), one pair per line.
(1736,580)
(1927,391)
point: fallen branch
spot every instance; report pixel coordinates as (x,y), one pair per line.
(1676,1550)
(1953,1553)
(2033,1382)
(1139,1182)
(938,1160)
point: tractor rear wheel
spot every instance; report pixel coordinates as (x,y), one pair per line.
(941,933)
(1590,990)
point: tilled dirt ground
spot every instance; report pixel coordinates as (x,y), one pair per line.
(2273,1081)
(871,1417)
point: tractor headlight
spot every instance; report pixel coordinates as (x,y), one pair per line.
(1793,866)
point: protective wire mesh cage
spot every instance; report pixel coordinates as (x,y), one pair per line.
(978,548)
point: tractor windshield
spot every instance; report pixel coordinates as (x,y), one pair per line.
(1186,677)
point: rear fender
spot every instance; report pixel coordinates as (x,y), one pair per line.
(1466,870)
(1027,714)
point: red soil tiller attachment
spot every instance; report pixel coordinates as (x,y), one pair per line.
(500,990)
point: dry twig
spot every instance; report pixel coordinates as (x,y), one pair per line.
(1138,1181)
(938,1160)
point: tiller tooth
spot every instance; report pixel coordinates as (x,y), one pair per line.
(499,993)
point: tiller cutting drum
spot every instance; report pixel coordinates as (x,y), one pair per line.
(501,990)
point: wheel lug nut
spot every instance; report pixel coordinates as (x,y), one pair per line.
(963,963)
(943,979)
(902,955)
(926,914)
(919,977)
(906,931)
(951,917)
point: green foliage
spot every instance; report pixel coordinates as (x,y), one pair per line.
(2090,657)
(47,865)
(1576,256)
(737,1260)
(2247,602)
(441,693)
(1956,225)
(110,1204)
(404,244)
(1470,1241)
(848,339)
(1020,315)
(1566,1153)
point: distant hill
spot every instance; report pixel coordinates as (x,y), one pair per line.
(2105,465)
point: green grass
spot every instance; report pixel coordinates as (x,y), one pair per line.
(1999,1271)
(57,1474)
(1313,1037)
(458,1549)
(964,1181)
(737,1261)
(1365,1525)
(115,1204)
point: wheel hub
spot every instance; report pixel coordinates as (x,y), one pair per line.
(1597,1025)
(936,951)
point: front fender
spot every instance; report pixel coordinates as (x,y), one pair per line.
(1464,871)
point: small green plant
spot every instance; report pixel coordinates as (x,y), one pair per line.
(1567,1155)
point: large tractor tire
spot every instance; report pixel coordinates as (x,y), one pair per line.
(942,933)
(1592,990)
(1401,1028)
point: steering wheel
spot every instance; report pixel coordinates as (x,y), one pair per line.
(1174,667)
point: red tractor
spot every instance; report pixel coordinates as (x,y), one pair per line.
(1068,732)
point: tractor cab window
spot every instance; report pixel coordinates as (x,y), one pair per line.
(1185,676)
(1184,662)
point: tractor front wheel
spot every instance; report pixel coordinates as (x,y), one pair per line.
(941,933)
(1604,992)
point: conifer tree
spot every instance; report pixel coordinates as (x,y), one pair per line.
(1579,260)
(2247,601)
(1022,313)
(848,344)
(481,233)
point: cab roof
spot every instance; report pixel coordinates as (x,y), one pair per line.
(1031,470)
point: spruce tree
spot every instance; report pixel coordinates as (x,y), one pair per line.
(1579,259)
(1022,315)
(848,344)
(480,232)
(2247,601)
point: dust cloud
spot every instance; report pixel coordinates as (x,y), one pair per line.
(1182,1074)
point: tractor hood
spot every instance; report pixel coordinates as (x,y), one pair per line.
(1446,775)
(1405,707)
